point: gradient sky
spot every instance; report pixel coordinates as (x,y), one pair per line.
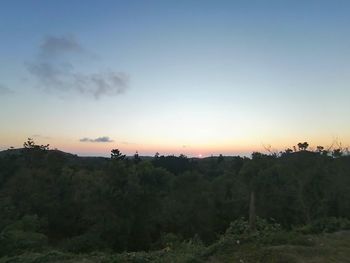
(193,77)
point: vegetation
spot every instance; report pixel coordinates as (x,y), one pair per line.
(57,207)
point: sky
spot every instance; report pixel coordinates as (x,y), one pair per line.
(194,77)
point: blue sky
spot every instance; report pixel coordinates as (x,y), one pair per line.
(199,77)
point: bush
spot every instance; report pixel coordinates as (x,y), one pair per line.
(325,225)
(84,243)
(170,240)
(263,233)
(16,240)
(239,233)
(22,236)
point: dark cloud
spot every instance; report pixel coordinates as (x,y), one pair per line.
(49,75)
(4,90)
(101,84)
(99,139)
(58,74)
(63,78)
(53,46)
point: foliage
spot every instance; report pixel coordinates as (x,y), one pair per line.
(84,243)
(22,235)
(117,155)
(167,204)
(325,225)
(30,144)
(264,230)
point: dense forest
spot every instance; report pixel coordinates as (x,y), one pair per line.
(49,198)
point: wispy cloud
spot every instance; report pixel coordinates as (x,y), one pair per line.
(54,70)
(128,143)
(53,46)
(99,139)
(4,90)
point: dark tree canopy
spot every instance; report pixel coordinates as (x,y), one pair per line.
(84,204)
(30,144)
(117,155)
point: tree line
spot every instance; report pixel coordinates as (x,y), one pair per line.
(51,198)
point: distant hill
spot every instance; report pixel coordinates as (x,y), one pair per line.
(18,151)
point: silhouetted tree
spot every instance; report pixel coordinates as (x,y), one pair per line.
(337,152)
(30,144)
(303,146)
(220,158)
(319,149)
(137,158)
(117,155)
(288,151)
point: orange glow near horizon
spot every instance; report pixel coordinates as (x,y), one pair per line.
(242,147)
(196,152)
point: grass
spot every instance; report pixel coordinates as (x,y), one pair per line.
(324,248)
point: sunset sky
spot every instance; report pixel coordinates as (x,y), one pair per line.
(193,77)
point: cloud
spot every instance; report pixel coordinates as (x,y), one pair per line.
(49,75)
(63,78)
(4,90)
(55,72)
(53,46)
(128,143)
(101,84)
(99,139)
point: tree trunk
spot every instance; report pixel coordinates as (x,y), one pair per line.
(252,212)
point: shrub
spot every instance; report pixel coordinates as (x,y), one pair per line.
(325,225)
(264,230)
(239,233)
(84,243)
(22,235)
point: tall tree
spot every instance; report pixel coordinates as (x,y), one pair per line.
(117,155)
